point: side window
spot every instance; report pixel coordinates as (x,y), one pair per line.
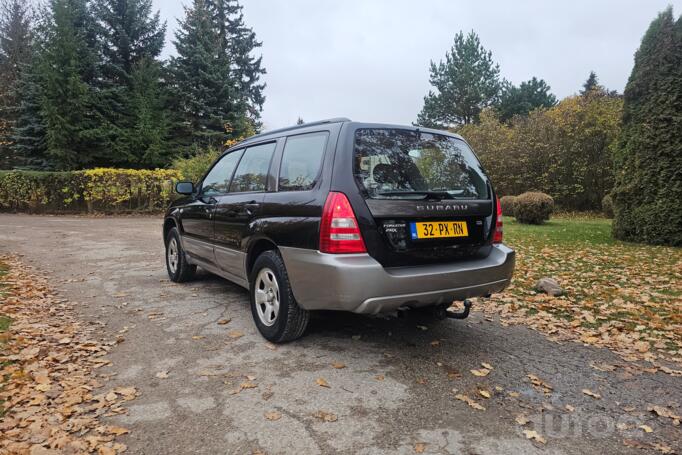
(301,161)
(252,172)
(218,179)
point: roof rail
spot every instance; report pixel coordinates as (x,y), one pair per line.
(303,125)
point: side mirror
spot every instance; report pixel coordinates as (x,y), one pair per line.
(186,188)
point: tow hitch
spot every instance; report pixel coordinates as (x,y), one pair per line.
(441,311)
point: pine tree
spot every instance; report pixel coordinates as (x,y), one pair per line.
(203,90)
(237,44)
(648,159)
(466,82)
(68,71)
(15,55)
(130,38)
(521,100)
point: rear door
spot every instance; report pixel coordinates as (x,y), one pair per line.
(425,194)
(236,210)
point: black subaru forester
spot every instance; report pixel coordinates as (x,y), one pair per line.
(341,215)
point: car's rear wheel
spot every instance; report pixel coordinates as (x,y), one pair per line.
(179,270)
(273,306)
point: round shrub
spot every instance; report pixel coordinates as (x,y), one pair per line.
(533,208)
(507,203)
(607,206)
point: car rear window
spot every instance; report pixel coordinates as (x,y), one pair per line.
(301,161)
(252,171)
(393,163)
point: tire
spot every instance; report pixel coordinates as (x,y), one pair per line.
(270,288)
(179,270)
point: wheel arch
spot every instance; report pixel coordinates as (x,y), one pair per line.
(168,224)
(256,248)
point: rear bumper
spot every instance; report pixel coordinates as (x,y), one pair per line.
(358,283)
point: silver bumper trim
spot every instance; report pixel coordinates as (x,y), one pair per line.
(358,283)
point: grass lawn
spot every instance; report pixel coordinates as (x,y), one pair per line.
(620,295)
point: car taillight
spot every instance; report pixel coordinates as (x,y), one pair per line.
(339,231)
(497,236)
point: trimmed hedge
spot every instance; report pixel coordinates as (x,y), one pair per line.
(507,203)
(533,207)
(92,190)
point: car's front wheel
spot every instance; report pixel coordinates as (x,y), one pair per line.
(179,270)
(275,311)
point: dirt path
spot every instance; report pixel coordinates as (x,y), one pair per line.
(228,391)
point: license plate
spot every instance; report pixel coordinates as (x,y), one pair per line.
(439,229)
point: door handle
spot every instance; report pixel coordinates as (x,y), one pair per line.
(251,207)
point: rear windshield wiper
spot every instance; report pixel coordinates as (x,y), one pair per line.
(427,194)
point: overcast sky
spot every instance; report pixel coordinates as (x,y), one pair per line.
(368,59)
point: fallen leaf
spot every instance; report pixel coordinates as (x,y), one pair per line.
(642,346)
(603,366)
(273,415)
(325,416)
(379,377)
(636,444)
(469,401)
(480,373)
(118,431)
(663,448)
(487,366)
(535,436)
(590,393)
(235,334)
(224,321)
(664,412)
(322,383)
(419,447)
(339,365)
(646,428)
(521,419)
(162,374)
(539,383)
(569,408)
(247,385)
(484,393)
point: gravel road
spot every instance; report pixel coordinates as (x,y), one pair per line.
(232,394)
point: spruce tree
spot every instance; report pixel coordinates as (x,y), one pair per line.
(70,104)
(591,84)
(29,140)
(148,134)
(648,159)
(130,38)
(466,82)
(15,55)
(203,91)
(237,45)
